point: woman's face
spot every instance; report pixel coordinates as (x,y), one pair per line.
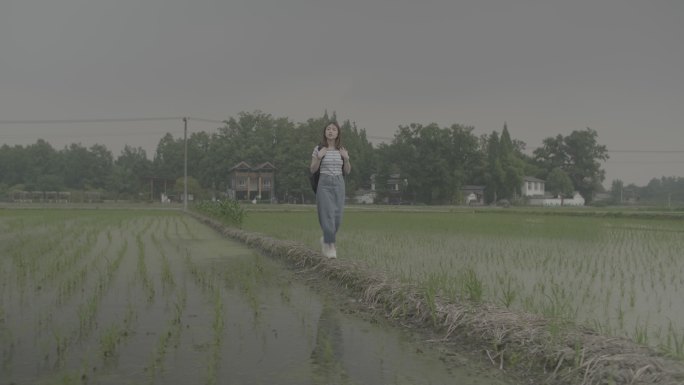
(331,131)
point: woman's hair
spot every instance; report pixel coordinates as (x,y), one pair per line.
(338,140)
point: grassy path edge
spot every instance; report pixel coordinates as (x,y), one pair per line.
(528,345)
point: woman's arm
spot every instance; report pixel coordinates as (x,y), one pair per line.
(347,166)
(345,157)
(316,158)
(315,164)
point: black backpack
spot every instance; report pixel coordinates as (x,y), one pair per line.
(316,175)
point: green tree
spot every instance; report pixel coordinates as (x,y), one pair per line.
(512,166)
(134,159)
(559,183)
(86,169)
(423,159)
(194,188)
(552,154)
(494,173)
(579,155)
(586,155)
(616,189)
(292,156)
(123,183)
(169,158)
(434,161)
(41,169)
(12,165)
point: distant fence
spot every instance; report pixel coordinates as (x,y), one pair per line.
(56,196)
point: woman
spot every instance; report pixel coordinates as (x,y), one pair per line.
(333,161)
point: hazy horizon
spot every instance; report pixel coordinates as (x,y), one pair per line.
(544,68)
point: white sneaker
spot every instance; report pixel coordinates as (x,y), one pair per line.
(328,250)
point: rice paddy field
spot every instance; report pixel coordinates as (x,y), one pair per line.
(619,276)
(156,297)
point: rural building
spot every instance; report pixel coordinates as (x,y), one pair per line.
(251,183)
(392,193)
(535,191)
(364,196)
(473,195)
(533,187)
(395,187)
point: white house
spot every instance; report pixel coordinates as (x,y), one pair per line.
(533,187)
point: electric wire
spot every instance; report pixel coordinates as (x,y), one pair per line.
(214,121)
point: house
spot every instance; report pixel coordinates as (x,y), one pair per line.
(535,191)
(473,195)
(394,187)
(251,183)
(533,187)
(364,196)
(629,196)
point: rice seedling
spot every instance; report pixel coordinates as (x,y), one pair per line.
(218,326)
(674,345)
(472,285)
(166,274)
(109,341)
(508,293)
(77,267)
(604,272)
(143,274)
(640,334)
(62,343)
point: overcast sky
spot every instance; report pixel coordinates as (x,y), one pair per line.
(545,67)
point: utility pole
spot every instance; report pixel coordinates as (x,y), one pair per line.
(185,166)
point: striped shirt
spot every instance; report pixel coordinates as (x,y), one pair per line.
(331,163)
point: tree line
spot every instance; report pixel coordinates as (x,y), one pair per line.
(433,162)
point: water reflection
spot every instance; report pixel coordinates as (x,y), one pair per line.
(327,355)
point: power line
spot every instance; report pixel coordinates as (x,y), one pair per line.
(650,151)
(74,121)
(197,119)
(206,120)
(113,120)
(628,151)
(84,134)
(644,161)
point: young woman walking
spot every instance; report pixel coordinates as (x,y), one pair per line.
(333,161)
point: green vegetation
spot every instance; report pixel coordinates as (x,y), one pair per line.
(228,211)
(620,276)
(456,156)
(63,286)
(88,290)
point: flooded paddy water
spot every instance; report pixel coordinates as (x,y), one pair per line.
(151,297)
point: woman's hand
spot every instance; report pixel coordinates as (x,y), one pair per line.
(322,152)
(344,153)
